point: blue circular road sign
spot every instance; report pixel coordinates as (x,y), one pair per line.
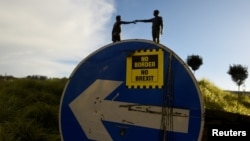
(131,90)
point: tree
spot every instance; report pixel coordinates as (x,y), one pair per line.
(194,61)
(238,74)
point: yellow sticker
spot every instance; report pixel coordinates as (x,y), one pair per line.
(144,69)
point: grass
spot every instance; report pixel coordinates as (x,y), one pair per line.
(217,99)
(29,107)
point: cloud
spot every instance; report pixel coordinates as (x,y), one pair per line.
(50,37)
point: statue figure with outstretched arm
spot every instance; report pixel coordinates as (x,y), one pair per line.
(116,31)
(157,26)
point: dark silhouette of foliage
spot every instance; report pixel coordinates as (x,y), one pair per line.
(194,61)
(238,74)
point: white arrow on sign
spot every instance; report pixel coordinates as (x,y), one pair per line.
(90,109)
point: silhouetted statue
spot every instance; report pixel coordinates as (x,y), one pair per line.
(157,26)
(117,28)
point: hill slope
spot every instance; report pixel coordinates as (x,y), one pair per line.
(29,107)
(217,99)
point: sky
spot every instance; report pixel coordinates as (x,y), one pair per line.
(51,37)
